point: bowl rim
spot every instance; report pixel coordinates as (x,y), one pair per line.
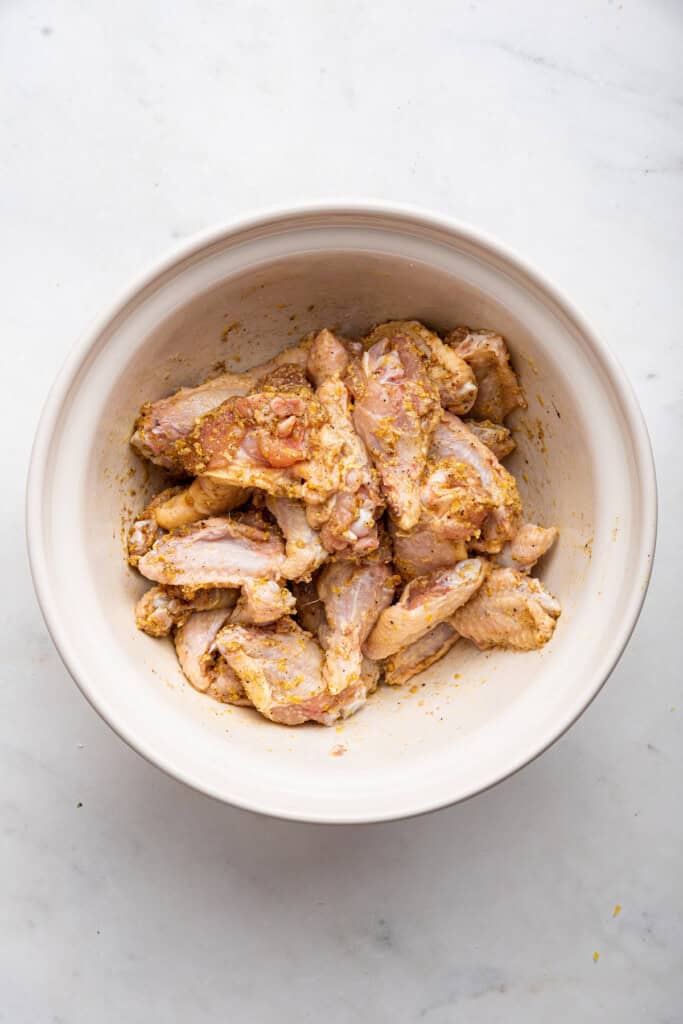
(402,214)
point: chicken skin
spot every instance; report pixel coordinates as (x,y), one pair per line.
(529,544)
(449,373)
(201,662)
(510,610)
(161,424)
(342,487)
(455,502)
(467,499)
(215,553)
(396,410)
(162,608)
(199,500)
(494,435)
(424,603)
(302,543)
(259,440)
(418,656)
(261,602)
(329,356)
(452,439)
(498,390)
(422,551)
(145,530)
(353,595)
(280,668)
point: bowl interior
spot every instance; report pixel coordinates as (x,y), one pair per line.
(473,717)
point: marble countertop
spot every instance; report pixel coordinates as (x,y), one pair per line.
(128,126)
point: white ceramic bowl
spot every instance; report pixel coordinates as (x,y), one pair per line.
(584,463)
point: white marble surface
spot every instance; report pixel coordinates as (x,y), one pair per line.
(127,126)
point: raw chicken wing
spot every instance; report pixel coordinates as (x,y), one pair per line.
(510,610)
(353,594)
(455,503)
(498,388)
(329,356)
(397,408)
(162,608)
(494,435)
(464,491)
(342,488)
(424,603)
(452,439)
(201,662)
(421,551)
(528,545)
(144,529)
(262,601)
(199,500)
(418,656)
(280,668)
(259,440)
(450,374)
(302,544)
(215,553)
(161,424)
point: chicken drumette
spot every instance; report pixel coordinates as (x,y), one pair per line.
(353,595)
(396,410)
(342,487)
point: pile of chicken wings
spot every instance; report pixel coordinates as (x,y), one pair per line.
(341,518)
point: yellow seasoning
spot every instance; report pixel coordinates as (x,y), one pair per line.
(617,910)
(596,957)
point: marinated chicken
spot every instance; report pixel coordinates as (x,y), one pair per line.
(281,670)
(450,374)
(201,661)
(421,551)
(353,596)
(498,390)
(302,543)
(163,423)
(529,544)
(342,490)
(467,499)
(260,439)
(314,486)
(425,602)
(218,552)
(494,435)
(202,498)
(510,610)
(262,601)
(145,530)
(453,440)
(396,410)
(162,608)
(416,657)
